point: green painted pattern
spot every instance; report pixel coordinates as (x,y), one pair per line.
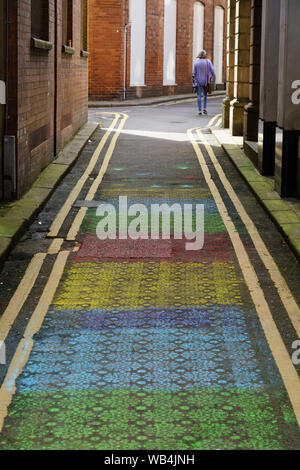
(197,420)
(213,222)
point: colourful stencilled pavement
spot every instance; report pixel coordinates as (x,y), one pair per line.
(146,345)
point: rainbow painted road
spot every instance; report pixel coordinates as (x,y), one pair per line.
(146,345)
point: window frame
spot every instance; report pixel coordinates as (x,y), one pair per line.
(67,29)
(40,34)
(84,33)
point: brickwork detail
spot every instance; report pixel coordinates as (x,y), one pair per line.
(47,97)
(106,36)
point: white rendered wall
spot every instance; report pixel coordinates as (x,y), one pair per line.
(170,24)
(138,42)
(198,29)
(218,43)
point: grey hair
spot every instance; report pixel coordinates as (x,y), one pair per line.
(202,54)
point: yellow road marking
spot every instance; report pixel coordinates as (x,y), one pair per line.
(284,292)
(23,350)
(219,122)
(8,387)
(279,351)
(105,112)
(212,121)
(62,214)
(77,223)
(215,97)
(81,213)
(25,286)
(55,246)
(23,290)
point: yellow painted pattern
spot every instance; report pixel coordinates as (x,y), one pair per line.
(148,284)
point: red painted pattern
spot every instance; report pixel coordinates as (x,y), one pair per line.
(217,248)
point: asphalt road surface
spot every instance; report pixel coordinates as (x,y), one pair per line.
(143,344)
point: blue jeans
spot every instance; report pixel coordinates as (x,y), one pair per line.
(199,93)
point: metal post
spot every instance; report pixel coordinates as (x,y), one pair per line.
(125,61)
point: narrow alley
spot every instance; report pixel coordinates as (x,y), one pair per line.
(140,344)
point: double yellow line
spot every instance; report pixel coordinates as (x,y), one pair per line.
(89,197)
(23,290)
(216,120)
(282,358)
(65,209)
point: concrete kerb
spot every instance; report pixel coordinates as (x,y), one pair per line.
(148,101)
(285,218)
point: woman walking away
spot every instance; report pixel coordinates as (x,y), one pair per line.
(203,72)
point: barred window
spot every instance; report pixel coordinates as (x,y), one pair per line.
(40,19)
(84,25)
(67,22)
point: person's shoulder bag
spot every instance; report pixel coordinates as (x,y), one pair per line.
(208,88)
(195,84)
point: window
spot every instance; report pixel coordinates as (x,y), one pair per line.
(170,23)
(219,43)
(67,23)
(40,19)
(198,28)
(84,25)
(138,42)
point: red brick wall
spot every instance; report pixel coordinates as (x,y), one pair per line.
(106,32)
(106,63)
(32,103)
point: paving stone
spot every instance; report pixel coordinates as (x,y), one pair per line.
(9,226)
(4,246)
(285,217)
(50,176)
(276,205)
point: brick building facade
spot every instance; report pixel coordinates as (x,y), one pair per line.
(46,85)
(146,47)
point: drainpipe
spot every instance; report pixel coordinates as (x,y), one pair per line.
(6,69)
(55,80)
(125,61)
(9,141)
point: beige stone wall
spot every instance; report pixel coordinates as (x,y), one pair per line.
(241,65)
